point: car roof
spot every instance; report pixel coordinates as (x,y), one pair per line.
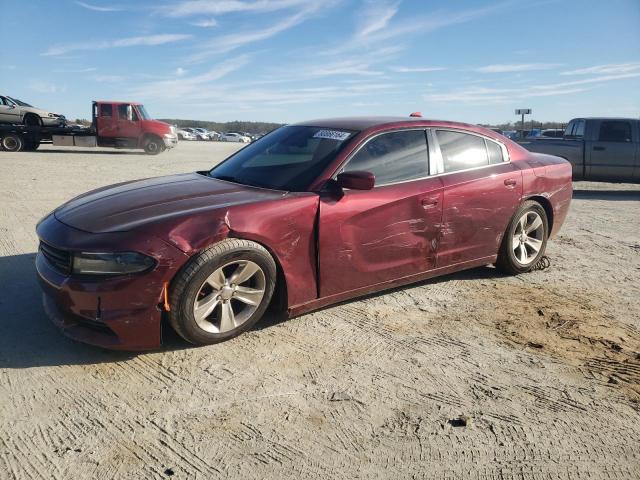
(365,123)
(117,102)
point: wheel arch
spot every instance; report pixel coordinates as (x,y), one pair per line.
(148,136)
(548,208)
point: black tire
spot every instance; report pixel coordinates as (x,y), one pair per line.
(154,146)
(180,137)
(12,142)
(507,261)
(32,120)
(31,145)
(187,283)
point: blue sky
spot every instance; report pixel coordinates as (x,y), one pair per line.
(291,60)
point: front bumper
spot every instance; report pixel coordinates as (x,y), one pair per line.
(54,121)
(170,141)
(122,312)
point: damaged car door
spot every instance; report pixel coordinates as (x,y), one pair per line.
(372,236)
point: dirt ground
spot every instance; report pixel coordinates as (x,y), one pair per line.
(473,375)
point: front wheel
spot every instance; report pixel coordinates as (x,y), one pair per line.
(525,239)
(154,146)
(222,292)
(32,120)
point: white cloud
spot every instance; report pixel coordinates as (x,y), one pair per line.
(180,71)
(520,67)
(416,69)
(375,15)
(605,69)
(108,78)
(207,23)
(46,87)
(232,41)
(194,85)
(150,40)
(203,7)
(481,95)
(98,8)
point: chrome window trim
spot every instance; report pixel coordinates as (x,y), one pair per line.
(342,166)
(505,152)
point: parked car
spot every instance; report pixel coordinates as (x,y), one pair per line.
(184,134)
(606,149)
(309,215)
(552,133)
(203,134)
(234,137)
(16,111)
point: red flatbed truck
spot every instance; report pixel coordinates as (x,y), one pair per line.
(114,124)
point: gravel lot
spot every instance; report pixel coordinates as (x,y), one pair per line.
(544,368)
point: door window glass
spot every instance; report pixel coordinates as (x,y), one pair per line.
(579,130)
(106,110)
(461,151)
(615,131)
(393,157)
(495,152)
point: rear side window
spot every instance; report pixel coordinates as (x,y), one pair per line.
(393,157)
(106,110)
(615,131)
(461,151)
(495,152)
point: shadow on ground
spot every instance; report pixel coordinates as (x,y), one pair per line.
(619,195)
(28,339)
(92,152)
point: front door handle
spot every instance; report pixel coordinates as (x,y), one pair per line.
(510,182)
(428,203)
(599,149)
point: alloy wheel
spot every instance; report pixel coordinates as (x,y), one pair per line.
(229,296)
(528,237)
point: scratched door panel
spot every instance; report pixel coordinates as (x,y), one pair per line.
(369,237)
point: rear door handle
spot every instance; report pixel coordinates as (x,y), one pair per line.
(429,202)
(510,182)
(599,149)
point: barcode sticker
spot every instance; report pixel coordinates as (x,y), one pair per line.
(332,135)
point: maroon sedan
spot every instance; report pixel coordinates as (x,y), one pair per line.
(309,215)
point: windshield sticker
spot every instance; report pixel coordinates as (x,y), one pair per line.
(332,135)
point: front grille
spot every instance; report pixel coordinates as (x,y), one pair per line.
(59,259)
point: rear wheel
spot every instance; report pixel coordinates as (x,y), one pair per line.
(222,292)
(12,142)
(31,145)
(153,146)
(32,120)
(525,240)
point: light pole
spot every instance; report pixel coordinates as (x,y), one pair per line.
(523,112)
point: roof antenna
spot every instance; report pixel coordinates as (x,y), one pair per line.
(416,114)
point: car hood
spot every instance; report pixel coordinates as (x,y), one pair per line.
(38,111)
(126,206)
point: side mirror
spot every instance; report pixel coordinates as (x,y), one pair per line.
(356,180)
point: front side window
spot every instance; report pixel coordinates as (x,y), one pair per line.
(289,158)
(461,151)
(579,130)
(393,157)
(615,131)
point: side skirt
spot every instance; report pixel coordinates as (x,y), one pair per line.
(316,304)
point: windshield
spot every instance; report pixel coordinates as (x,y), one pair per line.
(143,113)
(21,103)
(289,158)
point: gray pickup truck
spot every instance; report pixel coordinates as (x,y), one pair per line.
(604,149)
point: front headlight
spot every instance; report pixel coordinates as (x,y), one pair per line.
(121,263)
